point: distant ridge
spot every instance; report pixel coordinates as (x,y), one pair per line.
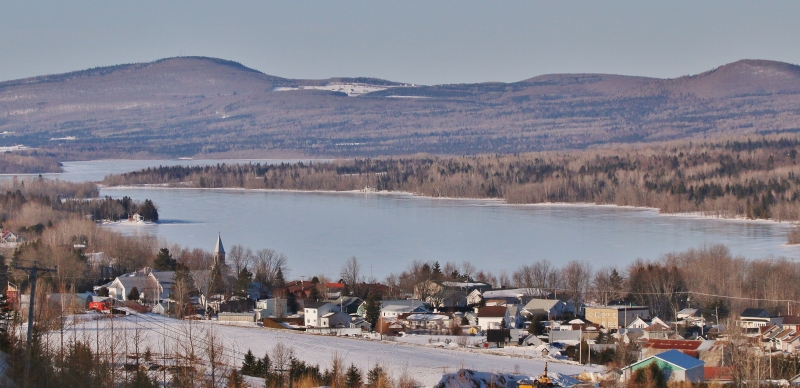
(190,106)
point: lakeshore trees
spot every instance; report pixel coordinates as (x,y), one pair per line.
(755,177)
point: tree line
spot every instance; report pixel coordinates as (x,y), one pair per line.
(756,178)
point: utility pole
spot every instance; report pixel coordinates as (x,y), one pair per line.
(33,274)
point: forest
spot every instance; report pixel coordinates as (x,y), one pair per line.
(755,178)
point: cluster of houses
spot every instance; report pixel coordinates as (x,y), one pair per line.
(687,348)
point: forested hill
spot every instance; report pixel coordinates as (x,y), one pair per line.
(190,106)
(754,178)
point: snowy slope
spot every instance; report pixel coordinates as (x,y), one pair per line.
(424,363)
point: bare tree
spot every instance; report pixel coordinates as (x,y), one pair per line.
(215,352)
(467,269)
(266,263)
(282,356)
(239,257)
(351,271)
(577,275)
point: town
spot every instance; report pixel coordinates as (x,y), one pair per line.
(596,326)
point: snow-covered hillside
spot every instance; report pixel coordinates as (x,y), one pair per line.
(426,364)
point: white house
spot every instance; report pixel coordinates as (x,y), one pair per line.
(315,310)
(274,307)
(429,320)
(335,319)
(491,317)
(393,308)
(147,285)
(752,318)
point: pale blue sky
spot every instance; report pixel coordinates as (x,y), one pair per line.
(426,42)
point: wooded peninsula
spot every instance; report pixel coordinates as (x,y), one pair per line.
(754,178)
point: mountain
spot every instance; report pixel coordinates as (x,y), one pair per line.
(189,106)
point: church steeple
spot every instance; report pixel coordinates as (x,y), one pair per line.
(219,252)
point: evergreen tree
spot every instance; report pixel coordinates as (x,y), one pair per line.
(164,261)
(142,380)
(437,271)
(617,286)
(134,294)
(372,311)
(264,365)
(243,281)
(717,307)
(352,378)
(291,302)
(280,282)
(103,291)
(315,294)
(235,380)
(249,366)
(377,378)
(148,211)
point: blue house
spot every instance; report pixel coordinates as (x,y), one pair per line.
(675,365)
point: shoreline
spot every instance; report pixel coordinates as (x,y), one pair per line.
(496,201)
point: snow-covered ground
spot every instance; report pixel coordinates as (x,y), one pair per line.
(351,89)
(425,362)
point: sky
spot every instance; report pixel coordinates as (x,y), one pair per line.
(423,42)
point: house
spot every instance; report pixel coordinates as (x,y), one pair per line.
(656,346)
(675,365)
(658,329)
(791,322)
(492,317)
(637,323)
(474,298)
(161,308)
(360,323)
(613,317)
(514,317)
(552,308)
(164,279)
(147,285)
(274,307)
(753,318)
(394,307)
(335,319)
(446,293)
(429,321)
(7,237)
(515,295)
(348,304)
(153,286)
(314,311)
(690,317)
(334,290)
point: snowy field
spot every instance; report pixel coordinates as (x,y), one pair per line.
(425,362)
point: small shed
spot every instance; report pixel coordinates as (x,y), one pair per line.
(675,365)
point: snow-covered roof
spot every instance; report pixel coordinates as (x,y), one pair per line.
(427,317)
(465,284)
(513,293)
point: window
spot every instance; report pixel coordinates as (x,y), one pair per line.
(596,314)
